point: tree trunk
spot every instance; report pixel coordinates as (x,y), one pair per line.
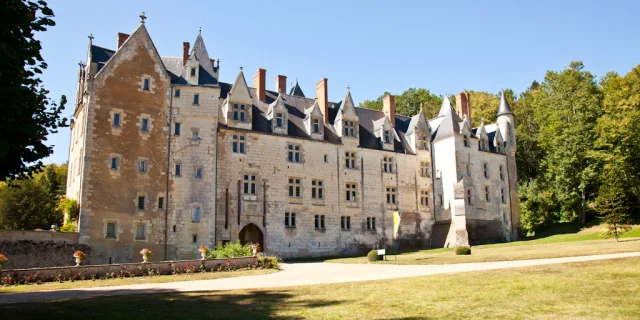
(583,208)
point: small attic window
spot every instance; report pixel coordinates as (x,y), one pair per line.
(316,125)
(193,71)
(279,120)
(467,143)
(387,136)
(177,93)
(145,85)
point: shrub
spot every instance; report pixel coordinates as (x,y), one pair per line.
(267,262)
(69,227)
(463,250)
(372,255)
(231,250)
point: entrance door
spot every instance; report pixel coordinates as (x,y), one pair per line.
(251,234)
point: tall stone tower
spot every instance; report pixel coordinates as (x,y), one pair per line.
(506,123)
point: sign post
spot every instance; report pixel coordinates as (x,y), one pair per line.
(396,225)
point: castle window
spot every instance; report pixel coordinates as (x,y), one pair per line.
(423,144)
(295,188)
(160,203)
(195,217)
(371,223)
(349,129)
(468,170)
(487,194)
(345,223)
(196,98)
(501,172)
(485,166)
(425,169)
(350,160)
(249,184)
(290,219)
(467,143)
(238,143)
(294,153)
(195,135)
(469,196)
(441,201)
(316,125)
(176,93)
(498,150)
(239,112)
(115,163)
(140,202)
(193,71)
(145,85)
(317,189)
(326,158)
(391,195)
(279,120)
(111,230)
(116,119)
(199,173)
(387,136)
(387,164)
(351,195)
(424,198)
(319,222)
(143,165)
(502,195)
(194,238)
(176,129)
(140,234)
(178,170)
(144,126)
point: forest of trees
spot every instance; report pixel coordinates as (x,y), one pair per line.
(578,140)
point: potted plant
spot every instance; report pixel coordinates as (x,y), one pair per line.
(3,259)
(146,252)
(80,256)
(203,252)
(254,248)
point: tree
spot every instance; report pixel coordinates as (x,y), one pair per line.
(408,103)
(28,114)
(611,204)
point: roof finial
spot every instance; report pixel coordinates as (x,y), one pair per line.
(240,67)
(348,87)
(200,30)
(91,37)
(142,17)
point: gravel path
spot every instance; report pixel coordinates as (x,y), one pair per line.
(298,274)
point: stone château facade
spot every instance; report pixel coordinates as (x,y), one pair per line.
(165,156)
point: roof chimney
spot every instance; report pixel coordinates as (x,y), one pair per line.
(259,83)
(185,53)
(281,84)
(463,106)
(322,95)
(122,37)
(389,108)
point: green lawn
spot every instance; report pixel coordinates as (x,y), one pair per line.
(579,243)
(135,280)
(606,289)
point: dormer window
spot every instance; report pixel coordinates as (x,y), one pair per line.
(193,71)
(279,120)
(316,125)
(239,112)
(349,129)
(145,85)
(422,143)
(483,144)
(176,93)
(387,136)
(467,143)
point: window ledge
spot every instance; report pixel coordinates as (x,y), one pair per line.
(317,202)
(289,227)
(352,205)
(295,200)
(250,197)
(391,206)
(320,230)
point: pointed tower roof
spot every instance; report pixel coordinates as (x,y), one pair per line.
(240,86)
(200,54)
(347,103)
(446,107)
(450,124)
(296,90)
(505,108)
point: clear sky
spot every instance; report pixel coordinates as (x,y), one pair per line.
(373,46)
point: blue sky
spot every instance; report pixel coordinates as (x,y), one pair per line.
(373,46)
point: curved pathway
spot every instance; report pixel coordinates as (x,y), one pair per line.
(298,274)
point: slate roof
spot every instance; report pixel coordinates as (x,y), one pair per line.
(504,108)
(100,55)
(296,90)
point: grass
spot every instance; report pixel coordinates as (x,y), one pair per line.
(606,289)
(135,280)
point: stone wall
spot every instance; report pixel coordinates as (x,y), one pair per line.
(31,249)
(137,269)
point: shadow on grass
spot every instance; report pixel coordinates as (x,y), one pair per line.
(555,229)
(164,305)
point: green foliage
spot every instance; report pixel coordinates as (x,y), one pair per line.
(463,250)
(28,115)
(408,103)
(69,206)
(231,250)
(538,206)
(33,203)
(267,262)
(611,204)
(69,227)
(372,256)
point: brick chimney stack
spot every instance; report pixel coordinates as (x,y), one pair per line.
(122,37)
(322,94)
(185,53)
(260,84)
(389,108)
(463,106)
(281,84)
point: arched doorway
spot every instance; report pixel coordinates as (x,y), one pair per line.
(251,234)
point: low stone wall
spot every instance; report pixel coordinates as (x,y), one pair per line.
(35,249)
(48,236)
(127,269)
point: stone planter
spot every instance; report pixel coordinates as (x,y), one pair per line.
(78,261)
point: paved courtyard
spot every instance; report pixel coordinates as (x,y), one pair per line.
(298,274)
